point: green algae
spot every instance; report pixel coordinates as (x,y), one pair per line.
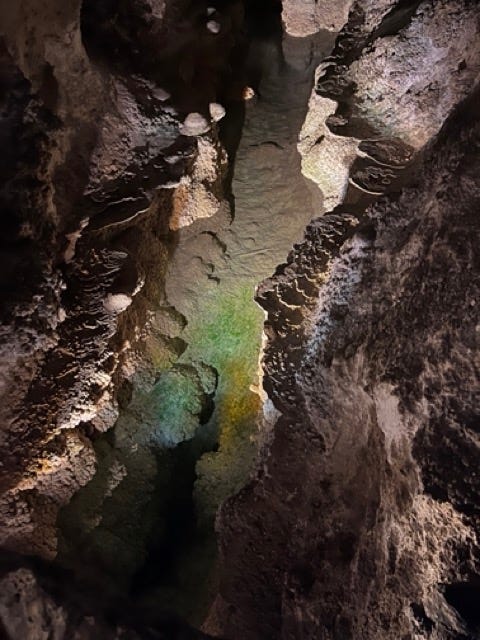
(175,404)
(226,333)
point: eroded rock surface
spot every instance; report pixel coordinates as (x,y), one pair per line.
(129,374)
(354,527)
(96,171)
(309,16)
(35,606)
(395,75)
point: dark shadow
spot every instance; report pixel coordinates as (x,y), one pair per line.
(263,24)
(465,598)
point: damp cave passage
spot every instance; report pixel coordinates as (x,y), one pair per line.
(145,524)
(219,261)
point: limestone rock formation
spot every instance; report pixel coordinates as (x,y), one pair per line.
(372,361)
(30,609)
(354,526)
(309,16)
(96,170)
(394,75)
(152,159)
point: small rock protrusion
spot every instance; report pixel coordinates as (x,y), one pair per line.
(161,94)
(116,303)
(213,26)
(248,93)
(217,112)
(194,125)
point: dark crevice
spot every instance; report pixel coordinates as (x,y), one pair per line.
(465,598)
(181,540)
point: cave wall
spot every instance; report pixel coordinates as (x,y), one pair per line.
(377,439)
(307,17)
(110,127)
(99,169)
(393,75)
(362,520)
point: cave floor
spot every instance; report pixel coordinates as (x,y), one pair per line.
(219,261)
(152,531)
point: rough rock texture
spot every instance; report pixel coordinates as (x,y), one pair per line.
(407,84)
(363,520)
(394,75)
(95,170)
(309,16)
(173,439)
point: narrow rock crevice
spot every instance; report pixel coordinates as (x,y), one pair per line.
(192,446)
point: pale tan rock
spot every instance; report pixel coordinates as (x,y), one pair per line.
(116,303)
(217,111)
(213,26)
(408,83)
(194,125)
(326,157)
(193,198)
(305,17)
(192,201)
